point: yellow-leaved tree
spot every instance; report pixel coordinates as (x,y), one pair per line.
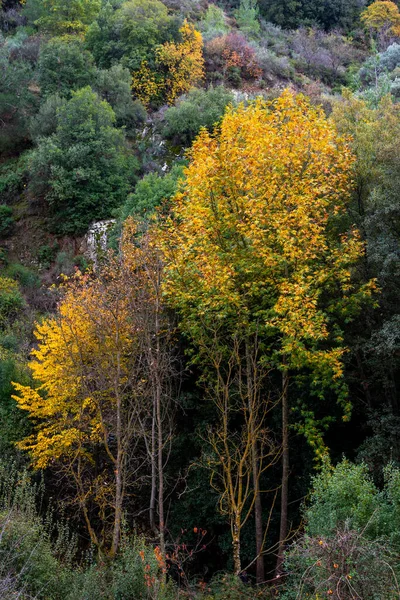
(382,19)
(101,369)
(179,66)
(256,251)
(183,62)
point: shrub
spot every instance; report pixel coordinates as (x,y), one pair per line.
(150,192)
(352,537)
(45,122)
(11,300)
(247,18)
(114,86)
(199,108)
(6,221)
(231,54)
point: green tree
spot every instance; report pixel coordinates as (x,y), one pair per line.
(84,170)
(64,65)
(198,108)
(150,192)
(60,17)
(247,17)
(114,86)
(130,33)
(17,102)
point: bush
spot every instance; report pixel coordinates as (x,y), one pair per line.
(231,54)
(199,108)
(26,277)
(352,537)
(45,122)
(136,574)
(247,18)
(150,192)
(114,86)
(6,221)
(11,300)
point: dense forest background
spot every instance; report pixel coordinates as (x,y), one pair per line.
(199,284)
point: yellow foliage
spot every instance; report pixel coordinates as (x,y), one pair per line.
(382,16)
(251,236)
(73,349)
(144,84)
(183,62)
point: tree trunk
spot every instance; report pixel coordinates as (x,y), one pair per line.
(236,545)
(152,508)
(118,474)
(285,473)
(251,390)
(260,573)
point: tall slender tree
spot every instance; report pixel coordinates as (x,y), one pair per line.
(255,243)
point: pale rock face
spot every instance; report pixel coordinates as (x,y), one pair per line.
(95,241)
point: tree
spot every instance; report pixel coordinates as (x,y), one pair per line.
(65,66)
(198,108)
(130,33)
(375,342)
(182,62)
(59,17)
(114,86)
(382,19)
(255,243)
(102,373)
(247,17)
(84,170)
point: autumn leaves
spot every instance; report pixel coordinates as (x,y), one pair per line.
(256,264)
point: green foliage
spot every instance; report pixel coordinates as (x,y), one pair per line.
(247,17)
(6,221)
(213,24)
(131,32)
(330,14)
(16,100)
(342,495)
(26,277)
(352,537)
(150,192)
(28,544)
(59,17)
(44,123)
(199,108)
(13,423)
(114,86)
(84,170)
(12,179)
(11,300)
(64,65)
(135,574)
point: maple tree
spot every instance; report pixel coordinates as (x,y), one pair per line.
(255,243)
(101,370)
